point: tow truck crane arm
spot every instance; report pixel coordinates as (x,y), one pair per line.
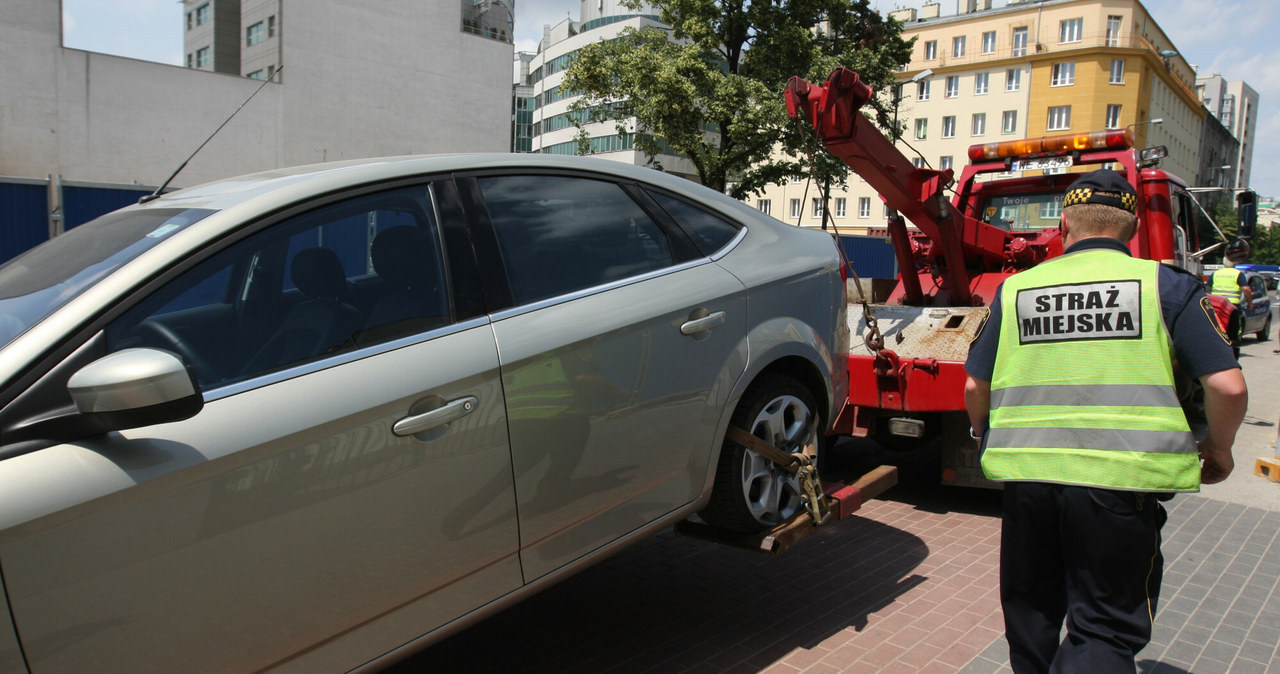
(958,248)
(917,193)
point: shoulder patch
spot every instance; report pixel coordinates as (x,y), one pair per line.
(986,314)
(1214,317)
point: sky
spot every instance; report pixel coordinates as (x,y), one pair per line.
(1229,37)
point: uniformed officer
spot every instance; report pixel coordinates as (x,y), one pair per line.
(1071,389)
(1230,283)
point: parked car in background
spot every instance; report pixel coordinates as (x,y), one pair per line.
(313,418)
(1269,272)
(1257,315)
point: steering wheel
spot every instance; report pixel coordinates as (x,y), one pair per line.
(159,335)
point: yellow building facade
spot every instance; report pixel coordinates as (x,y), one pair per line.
(1029,69)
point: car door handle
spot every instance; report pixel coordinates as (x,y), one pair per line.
(451,411)
(704,324)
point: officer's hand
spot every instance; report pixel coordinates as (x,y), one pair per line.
(1217,464)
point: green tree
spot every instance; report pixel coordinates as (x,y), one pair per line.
(712,90)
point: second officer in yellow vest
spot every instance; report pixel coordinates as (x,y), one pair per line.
(1071,388)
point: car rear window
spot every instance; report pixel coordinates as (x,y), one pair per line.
(709,232)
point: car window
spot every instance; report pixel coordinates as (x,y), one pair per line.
(38,282)
(560,234)
(1258,286)
(709,232)
(339,277)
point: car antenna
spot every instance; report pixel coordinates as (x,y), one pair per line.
(156,194)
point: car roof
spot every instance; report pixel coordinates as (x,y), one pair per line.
(288,185)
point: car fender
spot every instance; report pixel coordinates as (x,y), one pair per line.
(789,345)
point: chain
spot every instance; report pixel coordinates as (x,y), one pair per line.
(873,339)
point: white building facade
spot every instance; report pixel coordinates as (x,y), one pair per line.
(365,78)
(1235,104)
(554,128)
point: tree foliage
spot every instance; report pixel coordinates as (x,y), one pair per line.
(714,93)
(1264,245)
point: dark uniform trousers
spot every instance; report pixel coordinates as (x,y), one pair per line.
(1089,555)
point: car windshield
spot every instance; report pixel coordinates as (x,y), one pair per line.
(38,282)
(1022,212)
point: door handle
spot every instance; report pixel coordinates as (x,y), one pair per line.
(450,411)
(706,323)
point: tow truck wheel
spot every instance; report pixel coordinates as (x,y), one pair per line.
(752,493)
(1265,333)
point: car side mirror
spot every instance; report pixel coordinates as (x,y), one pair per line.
(1247,210)
(134,388)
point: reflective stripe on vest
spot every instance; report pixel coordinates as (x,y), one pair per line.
(1083,385)
(1226,283)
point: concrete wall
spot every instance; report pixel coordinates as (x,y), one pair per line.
(365,78)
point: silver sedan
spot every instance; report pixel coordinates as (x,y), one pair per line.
(312,419)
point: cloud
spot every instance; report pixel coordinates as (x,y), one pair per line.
(532,15)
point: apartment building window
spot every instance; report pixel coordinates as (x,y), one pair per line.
(1009,121)
(189,20)
(1064,74)
(922,90)
(202,57)
(202,14)
(1051,210)
(271,71)
(957,46)
(1070,30)
(840,207)
(1020,41)
(189,60)
(949,126)
(764,206)
(945,162)
(1113,116)
(1013,79)
(271,26)
(953,87)
(917,162)
(817,207)
(796,180)
(989,42)
(254,34)
(931,50)
(980,82)
(795,208)
(922,129)
(1113,30)
(1059,118)
(979,126)
(887,211)
(1117,71)
(256,75)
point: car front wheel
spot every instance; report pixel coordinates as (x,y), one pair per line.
(752,493)
(1265,333)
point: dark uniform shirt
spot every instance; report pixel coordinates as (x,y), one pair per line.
(1199,346)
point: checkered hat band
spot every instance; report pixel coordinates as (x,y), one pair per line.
(1088,195)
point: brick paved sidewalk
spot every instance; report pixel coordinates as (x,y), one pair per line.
(1220,610)
(903,589)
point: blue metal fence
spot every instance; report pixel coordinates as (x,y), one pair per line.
(24,217)
(80,204)
(871,256)
(25,206)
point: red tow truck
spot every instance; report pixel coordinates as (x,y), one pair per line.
(906,374)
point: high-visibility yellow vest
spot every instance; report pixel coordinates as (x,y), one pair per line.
(1225,282)
(1083,388)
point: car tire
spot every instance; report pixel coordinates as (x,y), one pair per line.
(752,493)
(1265,333)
